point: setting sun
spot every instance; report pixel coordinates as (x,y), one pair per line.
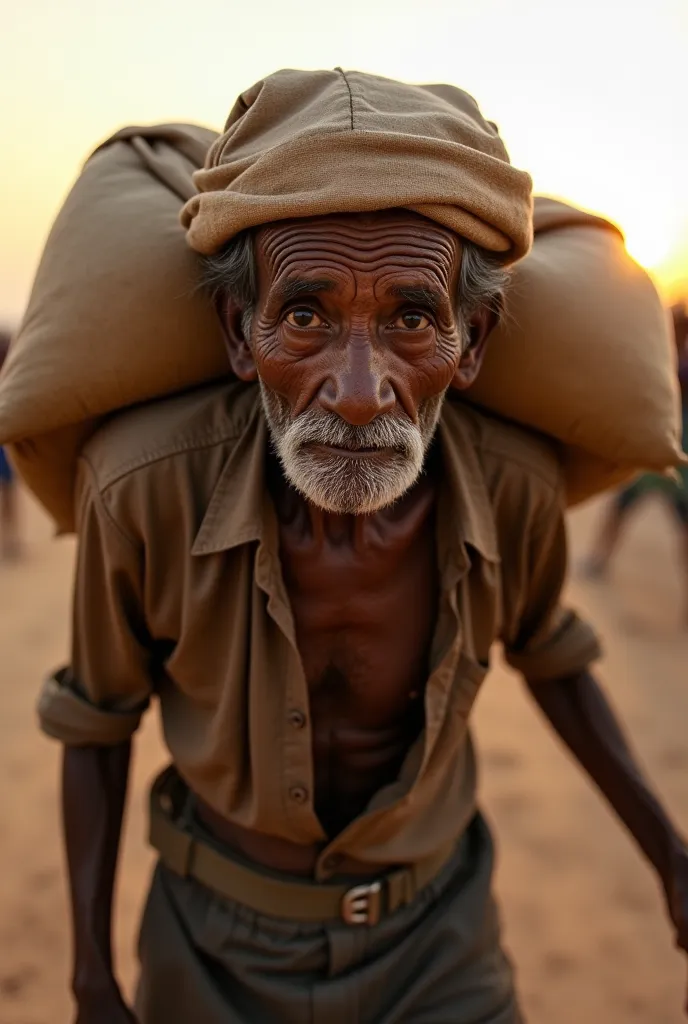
(647,244)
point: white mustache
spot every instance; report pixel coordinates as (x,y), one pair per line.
(387,431)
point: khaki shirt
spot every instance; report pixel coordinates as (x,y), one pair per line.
(179,594)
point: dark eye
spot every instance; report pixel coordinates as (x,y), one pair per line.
(412,320)
(304,318)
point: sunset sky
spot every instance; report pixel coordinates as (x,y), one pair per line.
(590,97)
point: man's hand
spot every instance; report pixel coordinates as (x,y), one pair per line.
(107,1013)
(105,1006)
(94,784)
(677,900)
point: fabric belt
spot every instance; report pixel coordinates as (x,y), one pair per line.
(191,856)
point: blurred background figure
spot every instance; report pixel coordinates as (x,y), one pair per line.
(674,492)
(10,547)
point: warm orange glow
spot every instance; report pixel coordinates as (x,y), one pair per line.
(591,97)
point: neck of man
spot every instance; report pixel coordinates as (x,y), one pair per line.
(407,514)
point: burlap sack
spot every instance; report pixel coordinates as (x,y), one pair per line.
(115,315)
(585,352)
(116,318)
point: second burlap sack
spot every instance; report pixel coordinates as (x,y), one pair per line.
(117,317)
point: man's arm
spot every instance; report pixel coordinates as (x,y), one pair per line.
(93,708)
(94,785)
(553,649)
(579,712)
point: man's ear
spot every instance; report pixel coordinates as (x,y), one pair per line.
(237,344)
(481,323)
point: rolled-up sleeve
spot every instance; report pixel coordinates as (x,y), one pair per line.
(100,697)
(548,640)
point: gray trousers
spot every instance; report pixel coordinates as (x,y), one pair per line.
(209,960)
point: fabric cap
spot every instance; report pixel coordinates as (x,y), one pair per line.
(310,143)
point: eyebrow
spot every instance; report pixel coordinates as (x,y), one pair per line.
(422,296)
(293,287)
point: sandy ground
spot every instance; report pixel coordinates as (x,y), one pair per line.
(584,919)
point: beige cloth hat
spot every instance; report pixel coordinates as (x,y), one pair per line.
(310,143)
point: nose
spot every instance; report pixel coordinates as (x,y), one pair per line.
(358,391)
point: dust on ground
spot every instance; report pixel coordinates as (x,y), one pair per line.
(584,919)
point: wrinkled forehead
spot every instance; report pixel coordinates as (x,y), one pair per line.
(396,243)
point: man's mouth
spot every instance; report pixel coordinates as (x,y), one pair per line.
(353,453)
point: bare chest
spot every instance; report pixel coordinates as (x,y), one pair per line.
(363,598)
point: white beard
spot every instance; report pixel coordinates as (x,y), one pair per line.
(346,484)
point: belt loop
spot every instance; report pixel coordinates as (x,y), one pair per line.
(401,889)
(170,833)
(185,824)
(176,848)
(409,885)
(188,811)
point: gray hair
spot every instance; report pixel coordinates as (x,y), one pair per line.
(483,280)
(232,271)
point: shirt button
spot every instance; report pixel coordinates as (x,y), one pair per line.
(299,794)
(296,718)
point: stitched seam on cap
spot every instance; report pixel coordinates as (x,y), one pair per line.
(351,95)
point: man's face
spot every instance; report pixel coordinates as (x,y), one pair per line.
(355,340)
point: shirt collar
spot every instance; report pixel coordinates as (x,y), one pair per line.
(465,510)
(236,513)
(238,509)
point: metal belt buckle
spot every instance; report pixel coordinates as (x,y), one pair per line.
(361,905)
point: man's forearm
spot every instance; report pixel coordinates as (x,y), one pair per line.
(579,712)
(94,785)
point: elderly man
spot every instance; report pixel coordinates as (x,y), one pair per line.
(308,566)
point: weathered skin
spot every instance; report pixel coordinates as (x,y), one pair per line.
(362,588)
